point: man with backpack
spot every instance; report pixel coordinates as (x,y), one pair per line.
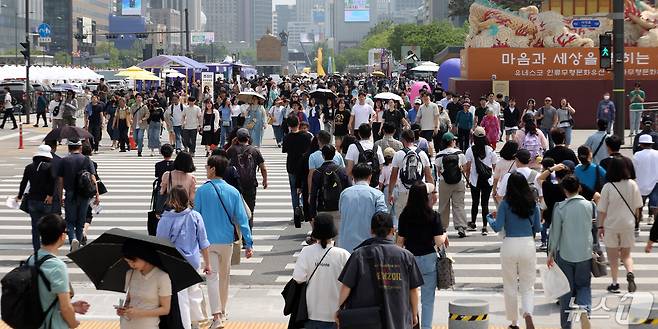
(316,159)
(48,303)
(522,167)
(77,176)
(452,188)
(410,165)
(365,151)
(328,182)
(246,159)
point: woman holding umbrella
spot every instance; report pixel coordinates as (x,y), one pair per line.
(148,288)
(255,121)
(314,113)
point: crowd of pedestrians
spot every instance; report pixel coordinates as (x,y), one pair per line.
(378,179)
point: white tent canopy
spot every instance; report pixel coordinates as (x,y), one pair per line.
(51,74)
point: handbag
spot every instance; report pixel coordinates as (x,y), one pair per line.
(23,206)
(445,274)
(599,263)
(237,234)
(294,294)
(298,216)
(363,317)
(101,187)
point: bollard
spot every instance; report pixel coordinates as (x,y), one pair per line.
(20,136)
(646,322)
(468,314)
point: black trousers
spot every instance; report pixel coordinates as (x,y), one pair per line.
(249,194)
(464,139)
(123,135)
(9,113)
(97,132)
(480,195)
(42,115)
(189,139)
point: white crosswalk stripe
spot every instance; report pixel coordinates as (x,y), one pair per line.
(277,243)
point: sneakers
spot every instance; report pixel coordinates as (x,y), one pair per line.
(543,246)
(485,232)
(36,125)
(216,324)
(472,227)
(613,288)
(83,242)
(461,232)
(630,278)
(75,245)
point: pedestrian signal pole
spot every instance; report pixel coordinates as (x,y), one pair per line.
(618,67)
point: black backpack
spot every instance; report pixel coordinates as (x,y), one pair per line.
(246,167)
(331,189)
(452,173)
(370,157)
(84,182)
(20,302)
(412,170)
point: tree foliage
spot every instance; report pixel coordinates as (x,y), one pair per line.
(431,38)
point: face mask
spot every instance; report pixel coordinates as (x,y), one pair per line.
(606,97)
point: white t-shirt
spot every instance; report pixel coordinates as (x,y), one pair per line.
(489,160)
(525,171)
(398,162)
(385,175)
(645,169)
(426,115)
(8,104)
(353,152)
(192,117)
(323,289)
(145,292)
(235,111)
(175,113)
(618,216)
(51,107)
(495,107)
(361,114)
(276,111)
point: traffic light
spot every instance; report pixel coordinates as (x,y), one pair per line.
(26,51)
(605,51)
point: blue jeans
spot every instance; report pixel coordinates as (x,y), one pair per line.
(76,214)
(580,281)
(292,179)
(312,324)
(223,136)
(138,135)
(635,121)
(37,210)
(179,139)
(427,266)
(568,133)
(278,134)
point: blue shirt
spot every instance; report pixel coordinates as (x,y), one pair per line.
(587,176)
(464,120)
(225,113)
(315,160)
(186,231)
(515,226)
(411,115)
(357,204)
(216,219)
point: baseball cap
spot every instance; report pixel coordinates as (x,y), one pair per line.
(242,133)
(645,139)
(523,156)
(74,142)
(466,104)
(389,152)
(569,164)
(418,101)
(448,137)
(479,132)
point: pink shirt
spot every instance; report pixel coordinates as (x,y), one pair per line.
(492,128)
(187,181)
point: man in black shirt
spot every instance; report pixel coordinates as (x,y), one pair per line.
(94,115)
(384,275)
(613,143)
(295,144)
(647,129)
(560,152)
(481,110)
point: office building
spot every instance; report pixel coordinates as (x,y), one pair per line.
(350,25)
(70,17)
(12,22)
(261,19)
(299,32)
(434,11)
(284,14)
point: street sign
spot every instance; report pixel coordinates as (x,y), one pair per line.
(198,38)
(44,33)
(585,23)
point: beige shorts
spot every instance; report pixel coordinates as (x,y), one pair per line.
(619,239)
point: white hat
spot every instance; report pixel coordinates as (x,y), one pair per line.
(44,151)
(646,139)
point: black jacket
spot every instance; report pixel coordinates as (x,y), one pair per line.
(39,175)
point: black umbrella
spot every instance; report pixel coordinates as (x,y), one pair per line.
(102,261)
(68,132)
(322,94)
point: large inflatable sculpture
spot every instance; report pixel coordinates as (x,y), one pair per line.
(494,27)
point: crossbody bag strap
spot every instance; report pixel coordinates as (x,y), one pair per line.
(600,144)
(622,197)
(318,264)
(230,218)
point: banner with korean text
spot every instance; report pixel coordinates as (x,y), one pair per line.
(555,64)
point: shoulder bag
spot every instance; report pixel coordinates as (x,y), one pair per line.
(363,317)
(445,275)
(294,295)
(237,234)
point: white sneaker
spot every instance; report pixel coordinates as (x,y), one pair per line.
(216,324)
(75,245)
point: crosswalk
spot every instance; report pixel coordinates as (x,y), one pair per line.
(277,243)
